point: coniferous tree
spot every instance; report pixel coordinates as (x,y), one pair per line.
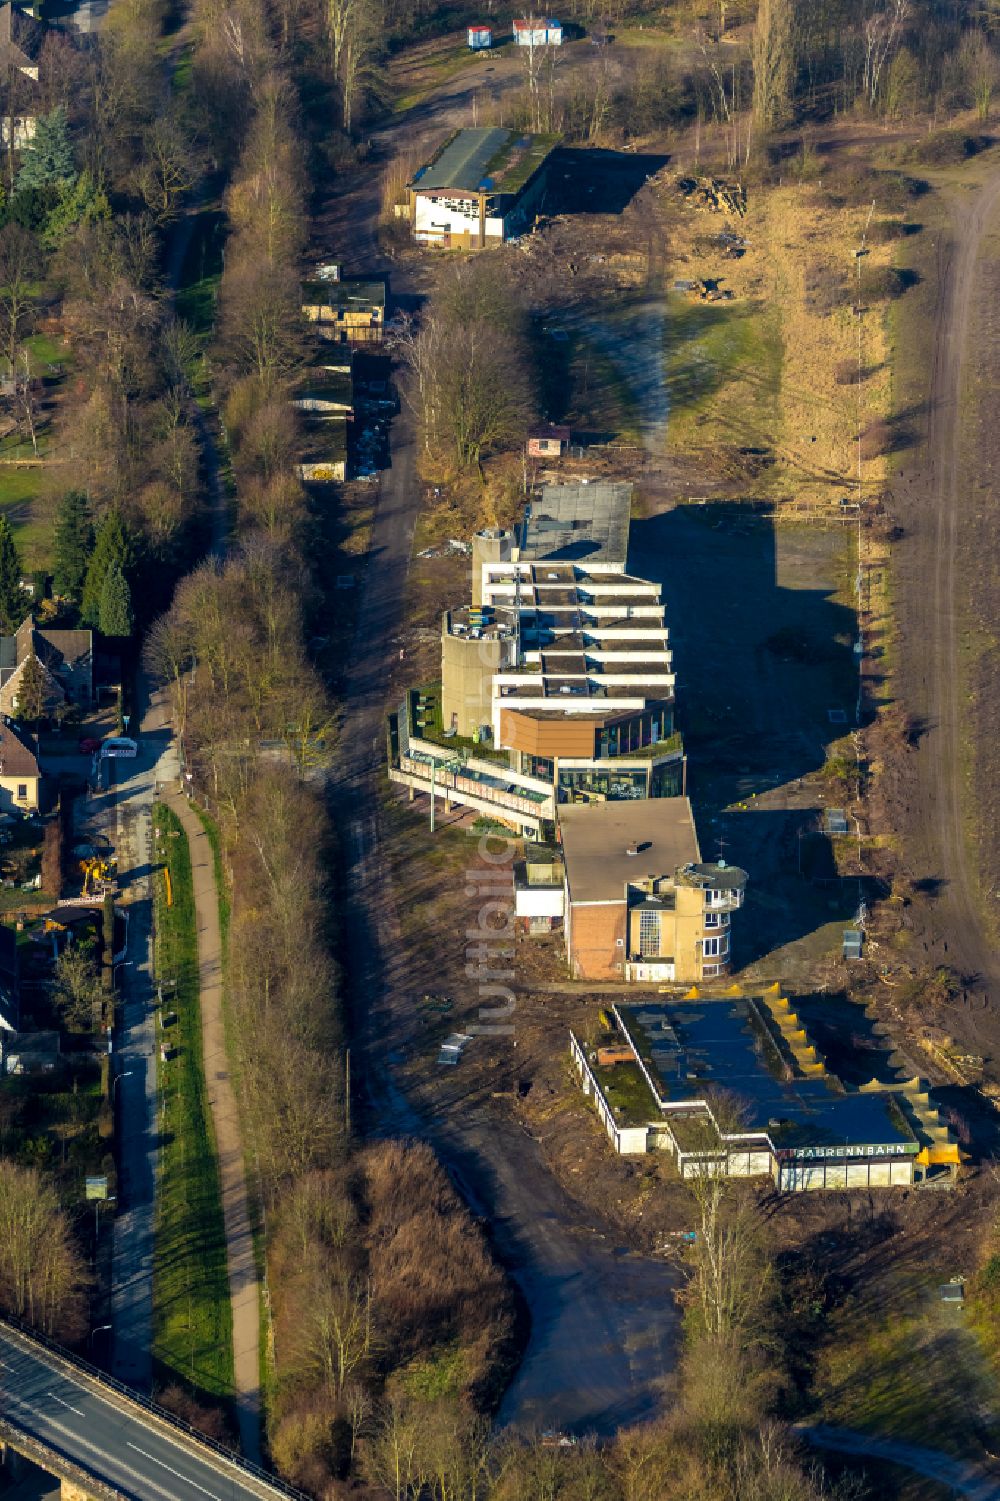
(111,545)
(116,603)
(12,601)
(31,686)
(48,158)
(73,544)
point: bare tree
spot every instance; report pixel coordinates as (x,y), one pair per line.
(19,259)
(41,1273)
(882,36)
(773,51)
(729,1270)
(77,990)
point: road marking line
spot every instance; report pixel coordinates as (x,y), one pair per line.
(163,1465)
(63,1403)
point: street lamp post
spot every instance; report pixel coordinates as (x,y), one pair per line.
(99,1329)
(126,1074)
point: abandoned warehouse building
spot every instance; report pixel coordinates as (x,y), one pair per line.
(483,186)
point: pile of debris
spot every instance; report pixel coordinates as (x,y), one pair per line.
(714,194)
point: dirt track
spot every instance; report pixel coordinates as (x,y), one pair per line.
(931,571)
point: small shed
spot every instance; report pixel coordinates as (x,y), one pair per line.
(547,441)
(480,38)
(535,32)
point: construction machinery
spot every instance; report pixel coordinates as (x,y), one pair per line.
(98,874)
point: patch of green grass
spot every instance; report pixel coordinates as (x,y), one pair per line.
(201,272)
(192,1314)
(20,490)
(723,363)
(913,1372)
(46,351)
(600,399)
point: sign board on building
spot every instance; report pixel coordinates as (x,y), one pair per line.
(843,1149)
(97,1187)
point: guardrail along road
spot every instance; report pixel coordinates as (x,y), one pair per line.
(107,1442)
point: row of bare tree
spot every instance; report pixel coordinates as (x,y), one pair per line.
(471,362)
(805,59)
(372,1262)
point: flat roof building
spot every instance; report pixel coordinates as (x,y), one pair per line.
(732,1085)
(641,905)
(483,186)
(585,522)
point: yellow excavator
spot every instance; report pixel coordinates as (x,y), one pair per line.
(98,874)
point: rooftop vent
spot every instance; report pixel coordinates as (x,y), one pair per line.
(632,850)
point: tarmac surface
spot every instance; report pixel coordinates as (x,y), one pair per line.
(111,1438)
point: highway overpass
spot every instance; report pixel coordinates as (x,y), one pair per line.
(104,1442)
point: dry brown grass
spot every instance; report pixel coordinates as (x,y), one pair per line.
(781,384)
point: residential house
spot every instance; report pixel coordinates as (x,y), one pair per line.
(66,659)
(483,186)
(21,38)
(641,905)
(20,775)
(547,441)
(535,32)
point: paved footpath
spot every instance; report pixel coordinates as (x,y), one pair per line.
(243,1286)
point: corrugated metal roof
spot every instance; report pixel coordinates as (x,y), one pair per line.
(463,162)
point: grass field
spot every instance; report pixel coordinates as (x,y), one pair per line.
(192,1335)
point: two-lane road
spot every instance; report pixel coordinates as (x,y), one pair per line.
(111,1437)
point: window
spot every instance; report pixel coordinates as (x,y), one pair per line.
(649,934)
(711,919)
(22,792)
(710,946)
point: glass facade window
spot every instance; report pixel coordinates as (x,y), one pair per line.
(636,733)
(612,786)
(667,779)
(649,934)
(538,766)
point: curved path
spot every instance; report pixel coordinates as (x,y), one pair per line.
(243,1285)
(931,600)
(960,1476)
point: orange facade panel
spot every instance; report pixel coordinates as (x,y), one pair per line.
(547,736)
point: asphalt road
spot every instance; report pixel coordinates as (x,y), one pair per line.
(110,1437)
(134,1052)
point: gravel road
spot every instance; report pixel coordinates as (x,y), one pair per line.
(939,521)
